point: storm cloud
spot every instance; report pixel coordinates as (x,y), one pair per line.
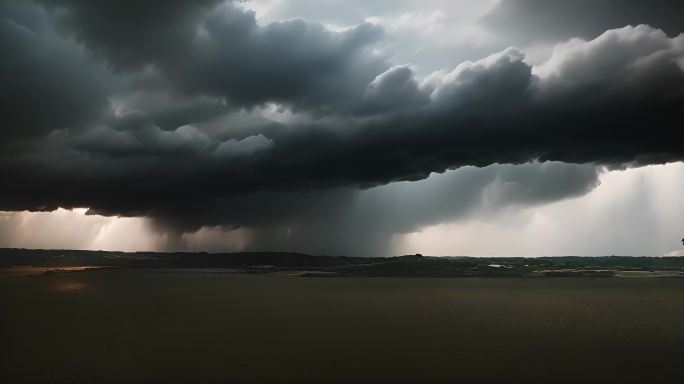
(194,114)
(313,221)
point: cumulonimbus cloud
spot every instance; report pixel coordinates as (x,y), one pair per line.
(98,138)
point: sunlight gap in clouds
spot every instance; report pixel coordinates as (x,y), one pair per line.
(75,229)
(634,212)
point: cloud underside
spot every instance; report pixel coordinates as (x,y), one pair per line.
(194,114)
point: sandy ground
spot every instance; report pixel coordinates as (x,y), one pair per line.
(144,326)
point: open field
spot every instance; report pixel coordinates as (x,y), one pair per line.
(179,326)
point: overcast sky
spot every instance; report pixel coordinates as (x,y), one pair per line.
(513,127)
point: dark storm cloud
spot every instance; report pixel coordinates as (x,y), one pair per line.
(201,48)
(47,82)
(207,112)
(348,221)
(133,33)
(554,20)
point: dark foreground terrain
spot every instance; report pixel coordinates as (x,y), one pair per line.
(290,318)
(206,326)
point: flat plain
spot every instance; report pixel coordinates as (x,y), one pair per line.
(207,326)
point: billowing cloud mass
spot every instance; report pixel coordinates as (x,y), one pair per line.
(199,114)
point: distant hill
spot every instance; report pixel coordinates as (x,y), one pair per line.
(309,265)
